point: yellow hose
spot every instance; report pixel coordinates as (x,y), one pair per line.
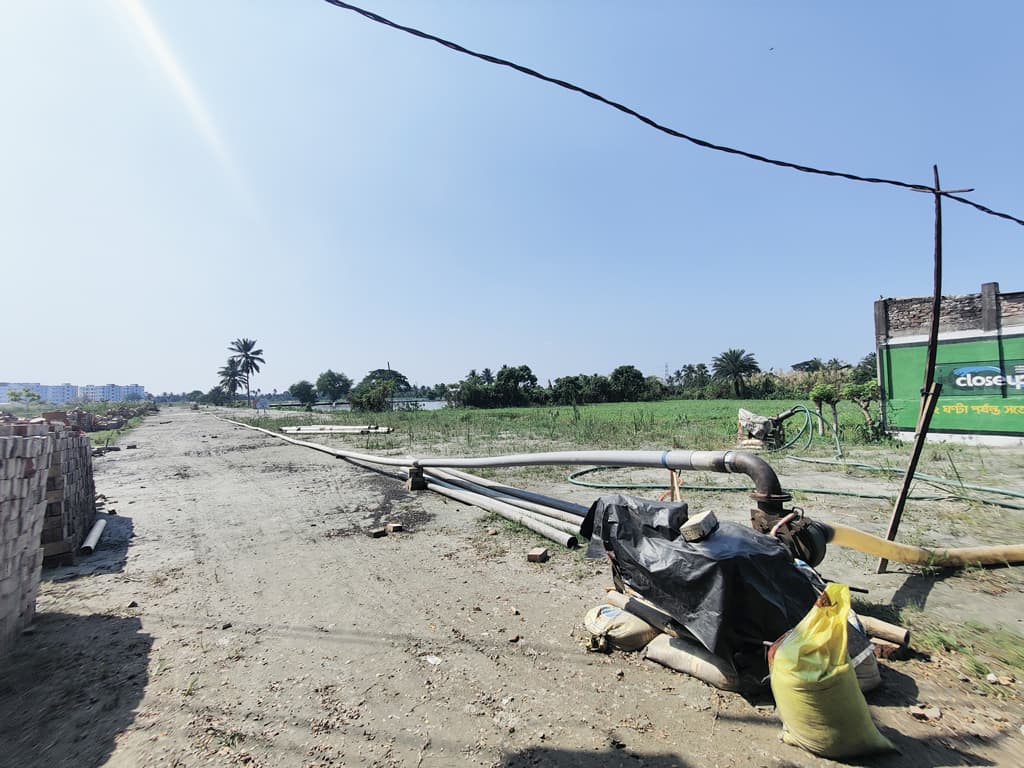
(845,536)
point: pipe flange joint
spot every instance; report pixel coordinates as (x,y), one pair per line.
(727,461)
(771,497)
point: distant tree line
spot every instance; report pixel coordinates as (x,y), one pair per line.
(735,373)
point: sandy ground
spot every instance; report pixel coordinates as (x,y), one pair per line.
(238,614)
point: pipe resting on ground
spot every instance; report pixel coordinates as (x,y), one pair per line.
(461,480)
(768,491)
(768,494)
(845,536)
(507,511)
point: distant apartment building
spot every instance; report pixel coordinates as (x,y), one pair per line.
(114,393)
(59,394)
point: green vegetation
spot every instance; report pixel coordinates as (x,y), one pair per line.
(237,372)
(975,649)
(692,424)
(333,386)
(231,378)
(735,366)
(249,360)
(304,392)
(377,390)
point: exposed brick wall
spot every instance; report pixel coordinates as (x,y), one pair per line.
(913,316)
(1011,307)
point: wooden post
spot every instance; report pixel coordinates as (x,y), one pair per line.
(930,391)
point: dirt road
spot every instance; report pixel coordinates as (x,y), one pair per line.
(238,614)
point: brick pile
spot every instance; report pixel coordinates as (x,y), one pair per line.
(47,505)
(25,451)
(115,418)
(70,492)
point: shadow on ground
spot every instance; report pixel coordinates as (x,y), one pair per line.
(110,555)
(917,587)
(931,752)
(550,757)
(69,688)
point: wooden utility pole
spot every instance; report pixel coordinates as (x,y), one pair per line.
(931,389)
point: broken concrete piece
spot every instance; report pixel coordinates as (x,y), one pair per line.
(376,533)
(394,527)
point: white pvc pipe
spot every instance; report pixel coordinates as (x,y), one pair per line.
(576,510)
(505,510)
(483,490)
(94,536)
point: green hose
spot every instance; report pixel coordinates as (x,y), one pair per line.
(808,416)
(574,479)
(935,479)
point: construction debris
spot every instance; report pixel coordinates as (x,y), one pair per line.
(115,418)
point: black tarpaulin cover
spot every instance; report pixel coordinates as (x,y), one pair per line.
(732,591)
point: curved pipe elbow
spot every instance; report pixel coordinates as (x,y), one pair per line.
(768,491)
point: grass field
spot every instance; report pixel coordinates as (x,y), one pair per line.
(689,424)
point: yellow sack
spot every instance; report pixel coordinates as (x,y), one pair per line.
(815,688)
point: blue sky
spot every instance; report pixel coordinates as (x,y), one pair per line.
(177,174)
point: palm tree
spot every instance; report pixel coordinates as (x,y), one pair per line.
(688,373)
(231,377)
(249,361)
(701,375)
(734,365)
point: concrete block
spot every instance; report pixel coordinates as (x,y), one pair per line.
(538,555)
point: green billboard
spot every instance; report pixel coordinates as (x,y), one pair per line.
(982,385)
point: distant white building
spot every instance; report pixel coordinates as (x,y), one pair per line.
(59,394)
(114,393)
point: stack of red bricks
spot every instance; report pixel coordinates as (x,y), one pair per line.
(47,505)
(25,450)
(70,492)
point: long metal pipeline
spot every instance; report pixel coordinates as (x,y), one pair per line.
(767,493)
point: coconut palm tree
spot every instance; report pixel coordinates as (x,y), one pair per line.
(734,365)
(701,375)
(249,361)
(231,377)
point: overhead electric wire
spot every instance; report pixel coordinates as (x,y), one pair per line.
(656,125)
